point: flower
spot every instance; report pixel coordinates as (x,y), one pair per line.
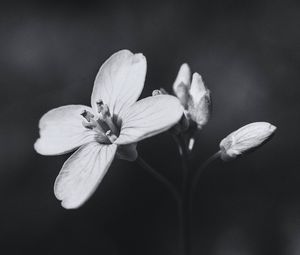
(112,126)
(194,96)
(245,139)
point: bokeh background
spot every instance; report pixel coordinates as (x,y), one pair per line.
(248,55)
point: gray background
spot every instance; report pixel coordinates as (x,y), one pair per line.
(246,52)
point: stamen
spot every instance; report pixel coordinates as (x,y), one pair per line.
(87,115)
(106,117)
(103,124)
(105,111)
(112,137)
(91,122)
(89,125)
(99,105)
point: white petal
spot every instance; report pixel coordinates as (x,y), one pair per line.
(82,173)
(149,117)
(61,130)
(183,77)
(120,81)
(182,84)
(198,89)
(199,103)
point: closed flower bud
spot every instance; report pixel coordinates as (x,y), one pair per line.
(193,95)
(182,84)
(245,139)
(199,103)
(158,92)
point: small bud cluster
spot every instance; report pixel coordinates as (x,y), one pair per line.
(196,101)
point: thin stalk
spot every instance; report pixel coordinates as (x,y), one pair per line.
(184,205)
(201,170)
(195,181)
(159,177)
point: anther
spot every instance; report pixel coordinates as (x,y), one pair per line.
(87,115)
(107,118)
(105,111)
(112,137)
(89,125)
(99,105)
(158,92)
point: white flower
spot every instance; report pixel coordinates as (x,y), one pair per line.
(194,96)
(245,139)
(112,126)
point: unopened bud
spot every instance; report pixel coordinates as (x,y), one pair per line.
(245,139)
(183,77)
(158,92)
(199,103)
(181,85)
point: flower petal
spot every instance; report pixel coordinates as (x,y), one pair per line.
(82,173)
(61,130)
(183,77)
(198,88)
(199,105)
(182,84)
(120,81)
(148,117)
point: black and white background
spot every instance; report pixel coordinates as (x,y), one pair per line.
(248,55)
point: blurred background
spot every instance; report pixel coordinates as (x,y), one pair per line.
(248,55)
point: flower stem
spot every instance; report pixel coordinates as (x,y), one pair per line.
(184,206)
(159,177)
(201,170)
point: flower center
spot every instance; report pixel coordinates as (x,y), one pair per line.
(103,124)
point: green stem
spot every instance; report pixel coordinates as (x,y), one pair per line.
(159,177)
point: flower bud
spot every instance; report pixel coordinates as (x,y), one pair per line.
(245,139)
(158,92)
(199,103)
(181,85)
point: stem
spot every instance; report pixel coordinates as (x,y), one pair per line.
(193,185)
(201,170)
(185,202)
(159,177)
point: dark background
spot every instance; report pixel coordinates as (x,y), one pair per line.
(246,52)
